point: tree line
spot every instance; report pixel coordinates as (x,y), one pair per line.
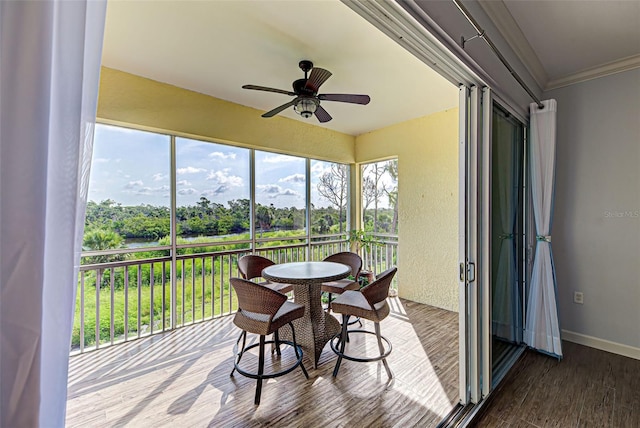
(108,223)
(108,217)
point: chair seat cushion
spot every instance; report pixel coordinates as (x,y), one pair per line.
(288,312)
(257,323)
(353,302)
(340,286)
(279,287)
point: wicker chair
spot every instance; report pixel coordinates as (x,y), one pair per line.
(370,303)
(251,266)
(263,311)
(340,286)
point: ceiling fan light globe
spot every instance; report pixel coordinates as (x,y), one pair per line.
(305,107)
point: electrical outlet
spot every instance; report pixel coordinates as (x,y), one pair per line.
(578,297)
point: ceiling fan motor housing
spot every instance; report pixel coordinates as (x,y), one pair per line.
(299,87)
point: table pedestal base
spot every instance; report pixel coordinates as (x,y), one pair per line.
(316,327)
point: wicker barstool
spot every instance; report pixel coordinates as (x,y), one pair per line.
(263,311)
(251,266)
(370,303)
(340,286)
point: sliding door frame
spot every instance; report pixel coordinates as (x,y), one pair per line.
(419,35)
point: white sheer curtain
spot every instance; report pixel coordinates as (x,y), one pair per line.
(50,54)
(542,329)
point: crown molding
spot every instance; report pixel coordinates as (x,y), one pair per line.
(497,11)
(591,73)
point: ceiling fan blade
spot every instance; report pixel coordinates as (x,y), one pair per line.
(264,88)
(346,98)
(317,77)
(322,115)
(279,109)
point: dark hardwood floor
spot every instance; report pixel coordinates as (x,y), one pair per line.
(588,388)
(181,379)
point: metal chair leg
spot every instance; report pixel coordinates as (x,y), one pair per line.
(260,370)
(329,304)
(276,337)
(295,348)
(243,335)
(343,342)
(384,360)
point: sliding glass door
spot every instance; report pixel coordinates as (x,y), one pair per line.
(492,225)
(469,256)
(507,234)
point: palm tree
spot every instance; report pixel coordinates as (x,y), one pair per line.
(99,239)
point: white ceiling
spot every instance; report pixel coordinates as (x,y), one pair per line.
(214,47)
(563,42)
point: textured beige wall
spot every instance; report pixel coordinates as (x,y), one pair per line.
(129,99)
(427,152)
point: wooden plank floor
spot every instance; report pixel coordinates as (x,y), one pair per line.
(588,388)
(181,379)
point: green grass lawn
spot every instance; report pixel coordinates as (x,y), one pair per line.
(189,307)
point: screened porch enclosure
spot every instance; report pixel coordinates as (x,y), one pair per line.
(169,217)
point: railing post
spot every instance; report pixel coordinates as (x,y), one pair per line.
(174,237)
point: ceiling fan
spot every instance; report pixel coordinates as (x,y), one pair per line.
(307,100)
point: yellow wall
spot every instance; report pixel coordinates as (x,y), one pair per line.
(129,99)
(427,151)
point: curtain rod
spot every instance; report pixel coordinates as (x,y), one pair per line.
(481,34)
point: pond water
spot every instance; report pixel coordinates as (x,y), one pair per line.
(144,242)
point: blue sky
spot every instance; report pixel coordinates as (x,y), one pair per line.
(133,167)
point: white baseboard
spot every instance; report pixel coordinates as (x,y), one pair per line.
(604,345)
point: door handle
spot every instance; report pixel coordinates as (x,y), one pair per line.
(472,272)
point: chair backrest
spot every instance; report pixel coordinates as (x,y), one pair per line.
(257,298)
(347,258)
(378,290)
(251,265)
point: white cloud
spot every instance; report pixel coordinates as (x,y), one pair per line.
(295,178)
(138,189)
(101,160)
(220,155)
(218,190)
(187,191)
(132,184)
(158,177)
(269,188)
(274,191)
(190,170)
(280,158)
(319,168)
(289,192)
(183,183)
(224,177)
(143,191)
